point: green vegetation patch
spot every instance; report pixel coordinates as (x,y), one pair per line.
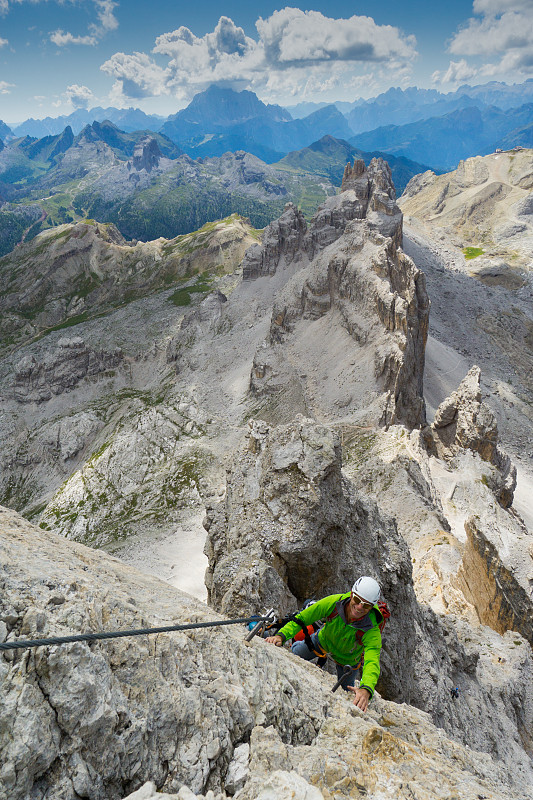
(182,297)
(472,252)
(310,198)
(357,445)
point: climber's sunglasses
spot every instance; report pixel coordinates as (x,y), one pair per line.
(362,602)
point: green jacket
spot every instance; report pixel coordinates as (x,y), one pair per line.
(339,639)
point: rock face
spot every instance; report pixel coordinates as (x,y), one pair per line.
(72,361)
(462,421)
(288,484)
(292,527)
(283,237)
(174,711)
(148,473)
(146,154)
(497,587)
(483,203)
(350,268)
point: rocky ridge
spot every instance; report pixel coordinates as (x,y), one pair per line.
(91,268)
(350,267)
(486,203)
(146,188)
(463,422)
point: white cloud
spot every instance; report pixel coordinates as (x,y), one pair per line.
(496,7)
(512,31)
(292,35)
(3,42)
(138,75)
(79,96)
(5,87)
(61,39)
(499,39)
(293,49)
(106,21)
(457,72)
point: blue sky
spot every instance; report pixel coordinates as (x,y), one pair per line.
(58,55)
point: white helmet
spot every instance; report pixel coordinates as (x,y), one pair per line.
(367,589)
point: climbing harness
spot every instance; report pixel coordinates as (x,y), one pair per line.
(19,644)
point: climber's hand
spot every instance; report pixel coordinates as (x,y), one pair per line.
(277,640)
(362,697)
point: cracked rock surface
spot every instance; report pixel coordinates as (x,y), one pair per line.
(134,715)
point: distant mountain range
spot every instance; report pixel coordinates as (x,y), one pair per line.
(328,158)
(228,152)
(444,141)
(147,186)
(221,120)
(127,119)
(401,106)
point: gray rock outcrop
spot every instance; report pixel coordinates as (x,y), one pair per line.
(205,318)
(351,270)
(498,580)
(36,381)
(139,475)
(464,422)
(146,154)
(171,712)
(292,527)
(283,239)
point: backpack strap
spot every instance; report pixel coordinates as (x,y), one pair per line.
(307,637)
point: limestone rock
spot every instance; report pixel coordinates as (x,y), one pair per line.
(61,370)
(497,580)
(89,269)
(146,154)
(352,270)
(292,527)
(142,474)
(376,195)
(238,769)
(167,712)
(483,203)
(282,240)
(204,319)
(463,421)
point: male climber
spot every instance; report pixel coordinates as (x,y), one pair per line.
(350,630)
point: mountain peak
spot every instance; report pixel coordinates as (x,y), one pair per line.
(222,107)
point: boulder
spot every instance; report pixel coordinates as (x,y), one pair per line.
(464,422)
